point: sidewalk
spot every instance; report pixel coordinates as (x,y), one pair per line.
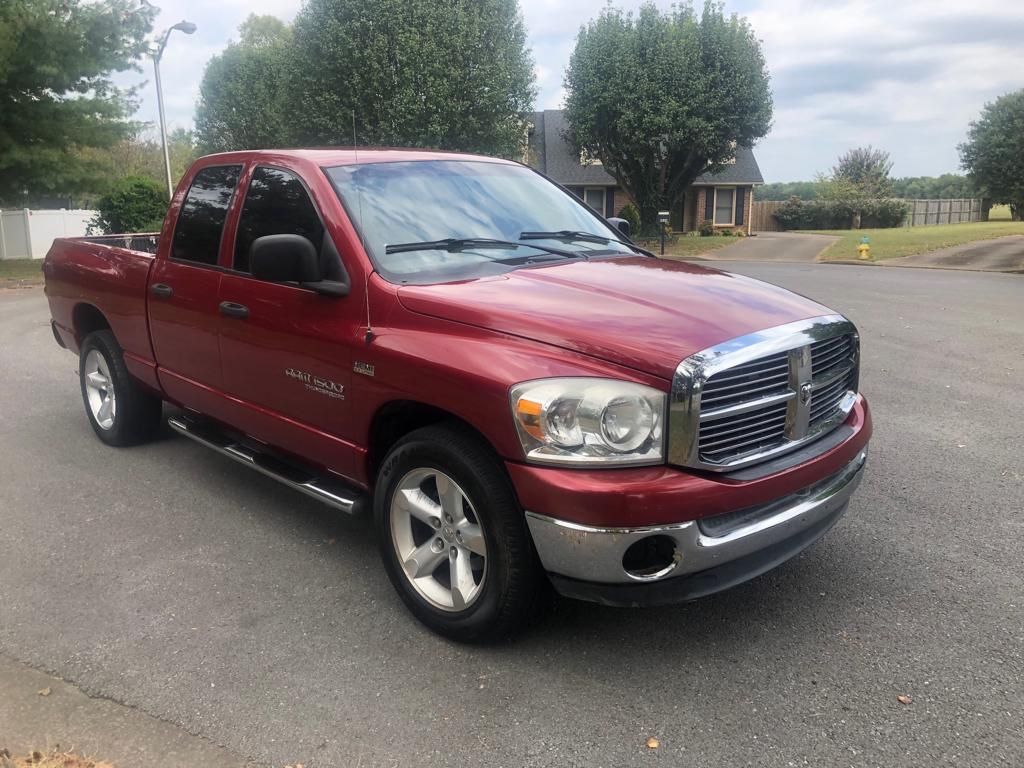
(39,712)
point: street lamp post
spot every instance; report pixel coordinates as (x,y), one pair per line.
(188,28)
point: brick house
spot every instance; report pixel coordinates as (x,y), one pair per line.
(724,197)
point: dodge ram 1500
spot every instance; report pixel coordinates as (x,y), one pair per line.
(520,394)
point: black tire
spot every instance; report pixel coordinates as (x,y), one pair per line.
(513,587)
(137,416)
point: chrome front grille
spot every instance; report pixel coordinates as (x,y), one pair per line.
(761,395)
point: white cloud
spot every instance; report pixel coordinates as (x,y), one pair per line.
(906,76)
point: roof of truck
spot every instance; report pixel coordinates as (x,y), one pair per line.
(331,156)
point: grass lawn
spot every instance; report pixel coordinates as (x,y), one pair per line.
(686,247)
(906,241)
(21,269)
(999,213)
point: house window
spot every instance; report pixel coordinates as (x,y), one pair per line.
(594,197)
(725,206)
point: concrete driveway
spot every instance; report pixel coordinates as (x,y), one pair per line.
(1003,254)
(773,246)
(173,581)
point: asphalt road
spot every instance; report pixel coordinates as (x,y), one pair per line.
(169,579)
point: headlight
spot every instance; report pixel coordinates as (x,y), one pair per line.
(589,421)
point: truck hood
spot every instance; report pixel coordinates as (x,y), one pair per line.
(640,312)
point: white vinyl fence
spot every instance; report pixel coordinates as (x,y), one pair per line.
(27,234)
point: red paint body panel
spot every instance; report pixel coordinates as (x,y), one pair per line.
(640,312)
(456,347)
(664,495)
(80,272)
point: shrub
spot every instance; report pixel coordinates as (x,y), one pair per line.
(132,204)
(706,228)
(630,213)
(884,213)
(839,214)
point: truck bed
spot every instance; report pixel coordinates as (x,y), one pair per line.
(110,273)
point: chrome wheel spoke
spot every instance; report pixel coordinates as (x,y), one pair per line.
(471,536)
(451,499)
(97,380)
(106,410)
(461,574)
(419,505)
(425,559)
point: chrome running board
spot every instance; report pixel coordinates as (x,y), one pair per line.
(332,492)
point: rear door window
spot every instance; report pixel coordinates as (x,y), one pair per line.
(276,204)
(201,219)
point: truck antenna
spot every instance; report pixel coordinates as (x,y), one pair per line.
(359,203)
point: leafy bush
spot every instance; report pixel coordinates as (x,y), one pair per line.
(883,213)
(630,213)
(706,228)
(839,214)
(132,204)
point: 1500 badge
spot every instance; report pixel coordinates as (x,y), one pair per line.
(316,384)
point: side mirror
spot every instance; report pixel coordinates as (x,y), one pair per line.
(284,259)
(622,225)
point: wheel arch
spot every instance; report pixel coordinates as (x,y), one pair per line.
(87,318)
(397,418)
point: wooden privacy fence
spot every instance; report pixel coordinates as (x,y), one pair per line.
(920,213)
(926,213)
(761,219)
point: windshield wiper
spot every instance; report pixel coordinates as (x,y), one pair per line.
(455,244)
(587,237)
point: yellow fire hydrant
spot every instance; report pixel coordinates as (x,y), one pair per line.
(864,249)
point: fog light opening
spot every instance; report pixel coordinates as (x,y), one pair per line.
(652,557)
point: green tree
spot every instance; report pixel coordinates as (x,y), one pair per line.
(865,171)
(784,190)
(132,204)
(243,98)
(948,185)
(56,96)
(141,155)
(660,98)
(451,75)
(993,154)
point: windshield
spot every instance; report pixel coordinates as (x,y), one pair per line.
(432,200)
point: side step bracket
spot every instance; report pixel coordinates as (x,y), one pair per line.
(332,492)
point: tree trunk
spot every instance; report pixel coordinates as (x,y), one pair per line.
(649,220)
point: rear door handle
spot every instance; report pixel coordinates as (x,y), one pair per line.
(231,309)
(162,290)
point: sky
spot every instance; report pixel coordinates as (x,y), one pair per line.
(906,76)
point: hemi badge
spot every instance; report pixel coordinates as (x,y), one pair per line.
(364,368)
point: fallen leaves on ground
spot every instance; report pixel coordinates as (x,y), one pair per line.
(44,691)
(52,759)
(903,699)
(653,743)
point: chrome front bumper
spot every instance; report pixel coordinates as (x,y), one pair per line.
(725,550)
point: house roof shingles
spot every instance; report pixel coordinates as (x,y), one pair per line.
(555,158)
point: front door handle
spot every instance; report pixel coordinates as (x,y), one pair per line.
(231,309)
(162,290)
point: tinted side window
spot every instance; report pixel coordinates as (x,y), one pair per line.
(201,219)
(276,204)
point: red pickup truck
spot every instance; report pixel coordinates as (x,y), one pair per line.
(520,394)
